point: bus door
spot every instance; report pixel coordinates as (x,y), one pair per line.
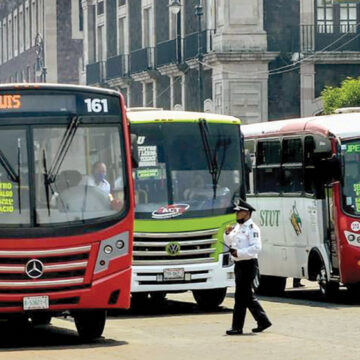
(269,206)
(294,212)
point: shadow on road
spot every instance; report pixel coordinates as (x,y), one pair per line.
(16,337)
(165,309)
(312,297)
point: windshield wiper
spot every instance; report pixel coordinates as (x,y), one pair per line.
(65,143)
(211,158)
(63,149)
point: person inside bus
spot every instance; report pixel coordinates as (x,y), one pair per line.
(98,177)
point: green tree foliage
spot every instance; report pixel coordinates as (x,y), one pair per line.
(347,95)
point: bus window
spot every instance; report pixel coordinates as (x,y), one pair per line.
(268,166)
(292,171)
(249,165)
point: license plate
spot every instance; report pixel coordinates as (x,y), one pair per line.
(36,302)
(174,274)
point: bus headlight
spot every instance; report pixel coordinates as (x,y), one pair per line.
(351,237)
(108,249)
(111,249)
(120,244)
(358,239)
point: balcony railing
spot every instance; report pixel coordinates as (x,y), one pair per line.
(168,52)
(117,66)
(191,44)
(329,37)
(95,72)
(142,60)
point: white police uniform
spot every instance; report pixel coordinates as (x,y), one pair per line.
(245,239)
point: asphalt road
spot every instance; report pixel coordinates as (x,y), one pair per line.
(304,327)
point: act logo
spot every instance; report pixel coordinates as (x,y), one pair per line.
(170,211)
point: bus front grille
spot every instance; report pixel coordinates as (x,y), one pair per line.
(188,248)
(51,269)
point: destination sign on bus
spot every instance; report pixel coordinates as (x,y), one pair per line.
(81,103)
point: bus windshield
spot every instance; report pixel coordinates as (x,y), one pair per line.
(174,174)
(78,172)
(351,186)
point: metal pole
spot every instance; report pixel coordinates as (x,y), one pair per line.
(199,13)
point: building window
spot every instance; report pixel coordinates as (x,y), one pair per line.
(348,18)
(5,41)
(325,16)
(100,8)
(16,34)
(1,43)
(147,27)
(122,2)
(10,38)
(27,26)
(122,34)
(34,24)
(81,16)
(100,43)
(21,30)
(40,17)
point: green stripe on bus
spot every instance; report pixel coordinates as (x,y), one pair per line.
(184,225)
(225,122)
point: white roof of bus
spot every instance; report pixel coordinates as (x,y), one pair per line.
(164,115)
(341,125)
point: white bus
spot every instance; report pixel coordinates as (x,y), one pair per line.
(305,185)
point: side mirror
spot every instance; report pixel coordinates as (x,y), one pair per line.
(134,151)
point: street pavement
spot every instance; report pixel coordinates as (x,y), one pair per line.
(304,327)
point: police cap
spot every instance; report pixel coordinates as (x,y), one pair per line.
(240,204)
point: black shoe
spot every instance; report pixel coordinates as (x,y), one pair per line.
(234,332)
(298,285)
(262,327)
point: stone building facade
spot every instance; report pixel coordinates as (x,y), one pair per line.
(41,40)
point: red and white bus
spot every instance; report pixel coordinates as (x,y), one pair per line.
(305,185)
(66,204)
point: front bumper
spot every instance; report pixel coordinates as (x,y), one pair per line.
(203,276)
(94,296)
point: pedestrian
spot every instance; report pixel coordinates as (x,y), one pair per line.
(244,244)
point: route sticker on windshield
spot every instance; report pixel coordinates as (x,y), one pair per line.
(355,226)
(170,211)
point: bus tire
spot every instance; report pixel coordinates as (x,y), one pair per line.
(90,324)
(40,319)
(209,299)
(328,289)
(270,285)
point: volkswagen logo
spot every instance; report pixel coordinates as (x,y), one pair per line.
(34,269)
(173,249)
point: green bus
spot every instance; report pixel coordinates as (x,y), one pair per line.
(190,170)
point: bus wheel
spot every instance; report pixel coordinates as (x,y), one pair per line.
(40,319)
(90,324)
(328,289)
(270,285)
(209,299)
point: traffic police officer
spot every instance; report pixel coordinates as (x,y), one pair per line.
(244,244)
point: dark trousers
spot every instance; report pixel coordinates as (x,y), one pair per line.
(245,272)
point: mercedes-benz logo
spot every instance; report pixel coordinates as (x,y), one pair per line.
(34,268)
(173,248)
